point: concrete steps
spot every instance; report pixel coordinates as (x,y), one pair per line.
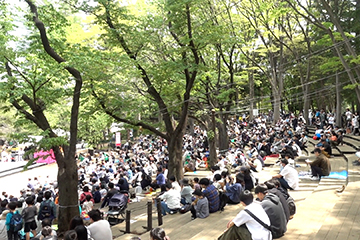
(315,201)
(170,223)
(209,228)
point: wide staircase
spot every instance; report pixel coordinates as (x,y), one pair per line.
(326,209)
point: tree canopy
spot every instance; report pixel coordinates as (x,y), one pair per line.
(155,64)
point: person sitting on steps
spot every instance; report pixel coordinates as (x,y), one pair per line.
(321,166)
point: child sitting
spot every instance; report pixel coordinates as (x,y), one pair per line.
(200,207)
(88,204)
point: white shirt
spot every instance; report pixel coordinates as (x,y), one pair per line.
(258,165)
(257,231)
(348,115)
(175,185)
(355,122)
(172,198)
(100,230)
(291,176)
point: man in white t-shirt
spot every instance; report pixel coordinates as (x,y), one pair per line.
(171,200)
(99,229)
(288,176)
(257,231)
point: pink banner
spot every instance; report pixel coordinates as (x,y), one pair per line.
(45,156)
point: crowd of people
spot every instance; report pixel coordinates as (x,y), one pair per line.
(142,167)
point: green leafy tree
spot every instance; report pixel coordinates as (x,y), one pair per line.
(158,57)
(37,79)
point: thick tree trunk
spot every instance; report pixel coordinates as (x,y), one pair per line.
(175,145)
(68,187)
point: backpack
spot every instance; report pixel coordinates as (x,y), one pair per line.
(16,222)
(97,197)
(46,211)
(292,206)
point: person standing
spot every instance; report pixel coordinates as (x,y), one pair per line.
(355,124)
(12,233)
(47,208)
(28,214)
(3,231)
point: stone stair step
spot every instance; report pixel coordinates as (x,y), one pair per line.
(170,223)
(215,230)
(353,142)
(216,222)
(346,149)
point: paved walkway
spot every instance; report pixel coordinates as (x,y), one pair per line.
(343,221)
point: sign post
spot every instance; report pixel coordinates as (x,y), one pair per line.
(118,139)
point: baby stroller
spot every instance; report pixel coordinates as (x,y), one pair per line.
(117,206)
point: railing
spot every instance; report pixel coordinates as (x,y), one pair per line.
(149,213)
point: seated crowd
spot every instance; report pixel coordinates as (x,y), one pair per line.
(143,168)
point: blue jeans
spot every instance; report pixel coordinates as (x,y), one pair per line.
(164,207)
(183,201)
(284,183)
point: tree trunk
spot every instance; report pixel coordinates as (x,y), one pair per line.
(68,182)
(212,148)
(251,94)
(175,145)
(191,126)
(223,135)
(277,101)
(306,108)
(338,118)
(212,141)
(345,64)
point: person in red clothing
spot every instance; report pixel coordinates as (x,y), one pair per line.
(84,194)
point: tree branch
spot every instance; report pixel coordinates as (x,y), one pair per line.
(111,114)
(151,90)
(74,72)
